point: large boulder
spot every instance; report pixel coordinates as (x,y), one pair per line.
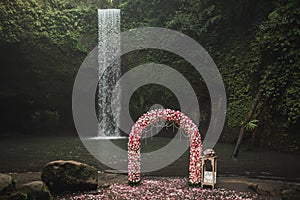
(7,184)
(69,176)
(36,190)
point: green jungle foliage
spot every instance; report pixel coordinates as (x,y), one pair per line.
(255,45)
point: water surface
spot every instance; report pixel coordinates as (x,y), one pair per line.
(23,154)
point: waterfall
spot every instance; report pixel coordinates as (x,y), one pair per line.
(108,107)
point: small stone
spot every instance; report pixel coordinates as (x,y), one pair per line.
(17,196)
(290,194)
(36,190)
(262,188)
(7,184)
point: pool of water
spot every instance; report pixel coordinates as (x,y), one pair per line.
(23,154)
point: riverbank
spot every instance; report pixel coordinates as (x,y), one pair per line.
(31,155)
(235,187)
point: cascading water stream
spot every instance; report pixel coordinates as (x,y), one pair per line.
(109,71)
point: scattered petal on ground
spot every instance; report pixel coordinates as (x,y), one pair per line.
(161,188)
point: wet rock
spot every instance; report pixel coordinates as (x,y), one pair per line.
(290,194)
(7,184)
(17,196)
(69,176)
(263,189)
(36,190)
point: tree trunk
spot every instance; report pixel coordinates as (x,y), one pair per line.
(253,136)
(258,129)
(45,5)
(248,119)
(264,140)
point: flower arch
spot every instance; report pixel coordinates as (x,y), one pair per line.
(134,155)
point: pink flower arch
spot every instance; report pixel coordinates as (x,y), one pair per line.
(134,155)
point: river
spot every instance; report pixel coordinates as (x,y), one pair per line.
(30,154)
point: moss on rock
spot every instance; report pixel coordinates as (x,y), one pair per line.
(69,176)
